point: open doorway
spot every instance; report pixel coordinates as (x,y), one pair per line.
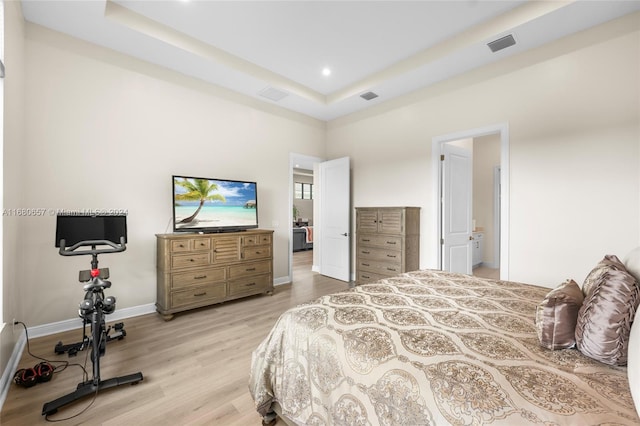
(303,220)
(301,224)
(487,239)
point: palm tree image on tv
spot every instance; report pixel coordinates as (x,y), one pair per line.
(197,190)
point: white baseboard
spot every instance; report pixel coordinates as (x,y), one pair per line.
(282,280)
(72,324)
(57,327)
(12,366)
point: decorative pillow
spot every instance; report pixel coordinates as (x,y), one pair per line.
(632,263)
(557,314)
(611,297)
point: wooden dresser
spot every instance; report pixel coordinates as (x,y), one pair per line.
(195,270)
(387,242)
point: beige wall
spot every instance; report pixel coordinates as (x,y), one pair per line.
(572,109)
(13,166)
(106,131)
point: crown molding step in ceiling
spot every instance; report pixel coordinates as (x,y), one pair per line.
(323,59)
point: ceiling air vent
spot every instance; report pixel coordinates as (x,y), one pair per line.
(273,93)
(501,43)
(368,96)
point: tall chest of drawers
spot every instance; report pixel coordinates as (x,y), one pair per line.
(195,270)
(387,242)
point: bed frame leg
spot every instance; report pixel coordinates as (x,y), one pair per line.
(269,418)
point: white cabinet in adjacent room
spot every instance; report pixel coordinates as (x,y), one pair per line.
(478,241)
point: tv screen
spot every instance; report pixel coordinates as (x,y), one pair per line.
(214,205)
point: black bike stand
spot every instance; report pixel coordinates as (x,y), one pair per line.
(115,332)
(88,388)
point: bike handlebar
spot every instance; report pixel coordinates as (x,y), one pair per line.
(71,251)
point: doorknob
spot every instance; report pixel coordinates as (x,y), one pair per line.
(470,237)
(345,234)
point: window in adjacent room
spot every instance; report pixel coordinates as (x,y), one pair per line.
(303,191)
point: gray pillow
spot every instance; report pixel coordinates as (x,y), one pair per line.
(611,297)
(557,314)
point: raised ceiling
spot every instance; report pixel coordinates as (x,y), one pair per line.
(278,49)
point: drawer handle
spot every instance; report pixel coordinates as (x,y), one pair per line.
(366,240)
(200,294)
(200,277)
(366,276)
(391,269)
(393,256)
(365,264)
(250,269)
(391,242)
(258,252)
(192,260)
(180,245)
(366,252)
(249,284)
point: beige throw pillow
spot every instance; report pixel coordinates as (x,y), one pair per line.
(611,297)
(557,314)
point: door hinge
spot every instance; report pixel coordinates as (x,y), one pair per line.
(442,241)
(442,157)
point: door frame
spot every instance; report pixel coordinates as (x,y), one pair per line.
(496,216)
(307,160)
(436,167)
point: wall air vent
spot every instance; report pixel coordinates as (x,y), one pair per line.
(501,43)
(273,93)
(368,96)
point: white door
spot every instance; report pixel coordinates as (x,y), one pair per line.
(457,207)
(335,205)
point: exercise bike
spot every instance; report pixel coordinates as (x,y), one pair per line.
(98,233)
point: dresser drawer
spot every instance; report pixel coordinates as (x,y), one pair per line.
(388,242)
(384,268)
(190,260)
(368,277)
(198,296)
(257,252)
(247,269)
(180,246)
(250,240)
(255,284)
(390,256)
(203,276)
(264,239)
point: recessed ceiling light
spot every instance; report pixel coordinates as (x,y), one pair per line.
(326,71)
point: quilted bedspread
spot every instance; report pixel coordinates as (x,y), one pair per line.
(431,348)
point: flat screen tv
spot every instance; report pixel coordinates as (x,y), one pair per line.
(213,205)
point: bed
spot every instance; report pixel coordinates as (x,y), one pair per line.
(431,348)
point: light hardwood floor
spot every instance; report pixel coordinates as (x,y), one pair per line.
(195,367)
(486,272)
